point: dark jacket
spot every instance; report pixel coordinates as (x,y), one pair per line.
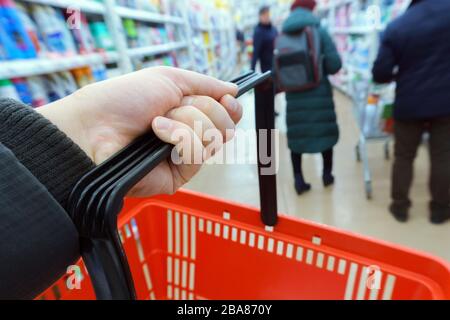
(311,117)
(263,46)
(39,166)
(415,52)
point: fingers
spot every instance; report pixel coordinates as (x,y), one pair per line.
(187,144)
(192,83)
(204,128)
(233,107)
(199,122)
(188,155)
(215,112)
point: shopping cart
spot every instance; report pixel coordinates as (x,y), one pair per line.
(194,247)
(371,119)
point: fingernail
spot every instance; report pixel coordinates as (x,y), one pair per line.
(232,103)
(231,85)
(162,123)
(230,134)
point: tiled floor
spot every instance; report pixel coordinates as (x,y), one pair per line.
(345,205)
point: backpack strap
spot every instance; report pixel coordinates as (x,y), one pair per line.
(311,35)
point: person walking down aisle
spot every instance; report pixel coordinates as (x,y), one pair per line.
(311,117)
(263,41)
(415,53)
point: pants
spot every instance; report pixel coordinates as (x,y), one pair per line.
(327,163)
(408,136)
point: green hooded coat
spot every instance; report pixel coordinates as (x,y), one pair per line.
(311,117)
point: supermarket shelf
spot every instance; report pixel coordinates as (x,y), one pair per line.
(323,8)
(113,73)
(361,71)
(34,67)
(356,30)
(201,28)
(87,6)
(147,16)
(186,66)
(342,2)
(333,5)
(111,14)
(222,28)
(157,49)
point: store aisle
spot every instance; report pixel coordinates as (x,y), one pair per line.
(345,205)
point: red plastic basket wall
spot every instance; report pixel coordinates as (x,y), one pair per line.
(189,246)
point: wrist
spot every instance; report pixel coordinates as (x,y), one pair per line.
(65,114)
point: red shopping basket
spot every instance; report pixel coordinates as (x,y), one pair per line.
(190,246)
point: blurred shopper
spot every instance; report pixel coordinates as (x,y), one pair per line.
(311,116)
(415,52)
(263,41)
(240,43)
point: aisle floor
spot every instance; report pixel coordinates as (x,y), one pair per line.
(344,205)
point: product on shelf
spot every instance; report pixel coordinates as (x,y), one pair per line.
(19,45)
(38,91)
(183,59)
(132,32)
(102,36)
(144,5)
(167,60)
(174,33)
(83,76)
(56,36)
(60,85)
(30,28)
(23,90)
(42,31)
(83,37)
(8,48)
(7,90)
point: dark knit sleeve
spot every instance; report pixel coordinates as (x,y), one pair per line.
(54,159)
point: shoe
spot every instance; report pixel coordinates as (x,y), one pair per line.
(328,179)
(400,214)
(439,214)
(301,186)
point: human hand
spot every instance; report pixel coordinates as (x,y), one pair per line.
(105,117)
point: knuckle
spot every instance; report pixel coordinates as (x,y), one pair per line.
(207,104)
(190,109)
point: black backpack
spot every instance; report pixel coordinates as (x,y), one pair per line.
(298,60)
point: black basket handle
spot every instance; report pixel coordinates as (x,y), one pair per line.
(97,199)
